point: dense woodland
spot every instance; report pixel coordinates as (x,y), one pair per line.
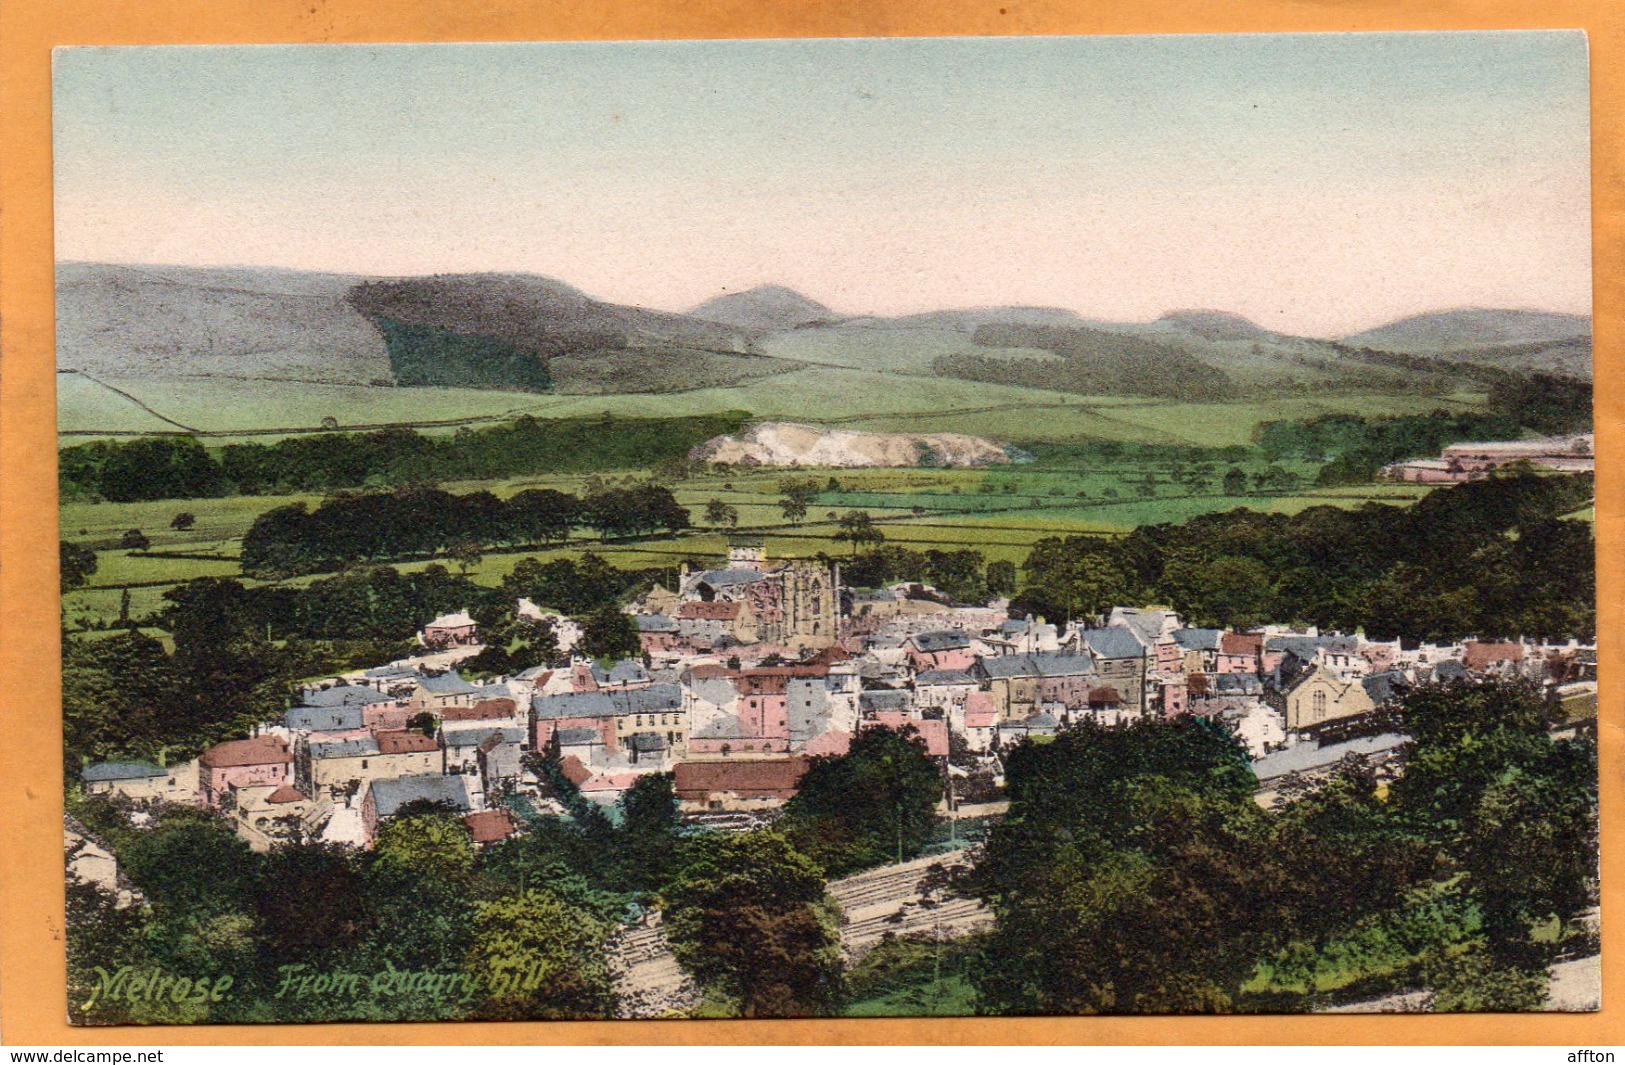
(1487,558)
(1123,847)
(421,522)
(178,467)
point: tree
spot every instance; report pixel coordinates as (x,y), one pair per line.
(1001,577)
(748,917)
(649,830)
(312,903)
(1124,848)
(542,516)
(192,867)
(538,958)
(468,554)
(183,521)
(134,540)
(434,845)
(794,510)
(719,513)
(78,564)
(609,634)
(1235,481)
(858,529)
(874,804)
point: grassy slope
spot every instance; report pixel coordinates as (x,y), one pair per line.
(847,398)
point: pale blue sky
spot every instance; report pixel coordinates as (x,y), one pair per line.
(1318,183)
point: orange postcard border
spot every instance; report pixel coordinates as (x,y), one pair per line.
(32,967)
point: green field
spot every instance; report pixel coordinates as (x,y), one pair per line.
(1000,511)
(826,395)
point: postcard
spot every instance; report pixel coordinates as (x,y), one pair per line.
(827,528)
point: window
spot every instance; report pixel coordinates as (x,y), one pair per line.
(363,763)
(1320,705)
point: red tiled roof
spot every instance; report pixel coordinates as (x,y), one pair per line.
(709,671)
(405,741)
(286,793)
(1479,655)
(576,771)
(260,750)
(1105,694)
(769,778)
(484,710)
(708,611)
(489,826)
(1240,643)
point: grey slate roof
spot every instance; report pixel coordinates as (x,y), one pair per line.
(719,578)
(655,699)
(647,741)
(1146,624)
(943,676)
(1113,642)
(391,794)
(1198,639)
(1307,756)
(1383,687)
(944,640)
(324,718)
(575,737)
(1052,664)
(1448,670)
(343,695)
(1304,647)
(450,684)
(474,734)
(626,671)
(391,673)
(1235,684)
(572,704)
(883,700)
(356,748)
(121,771)
(1002,666)
(655,623)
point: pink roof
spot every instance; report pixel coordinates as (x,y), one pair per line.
(832,742)
(610,782)
(286,793)
(933,732)
(260,750)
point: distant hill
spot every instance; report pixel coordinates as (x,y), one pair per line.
(220,321)
(540,334)
(1540,341)
(1216,325)
(1471,328)
(765,309)
(971,319)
